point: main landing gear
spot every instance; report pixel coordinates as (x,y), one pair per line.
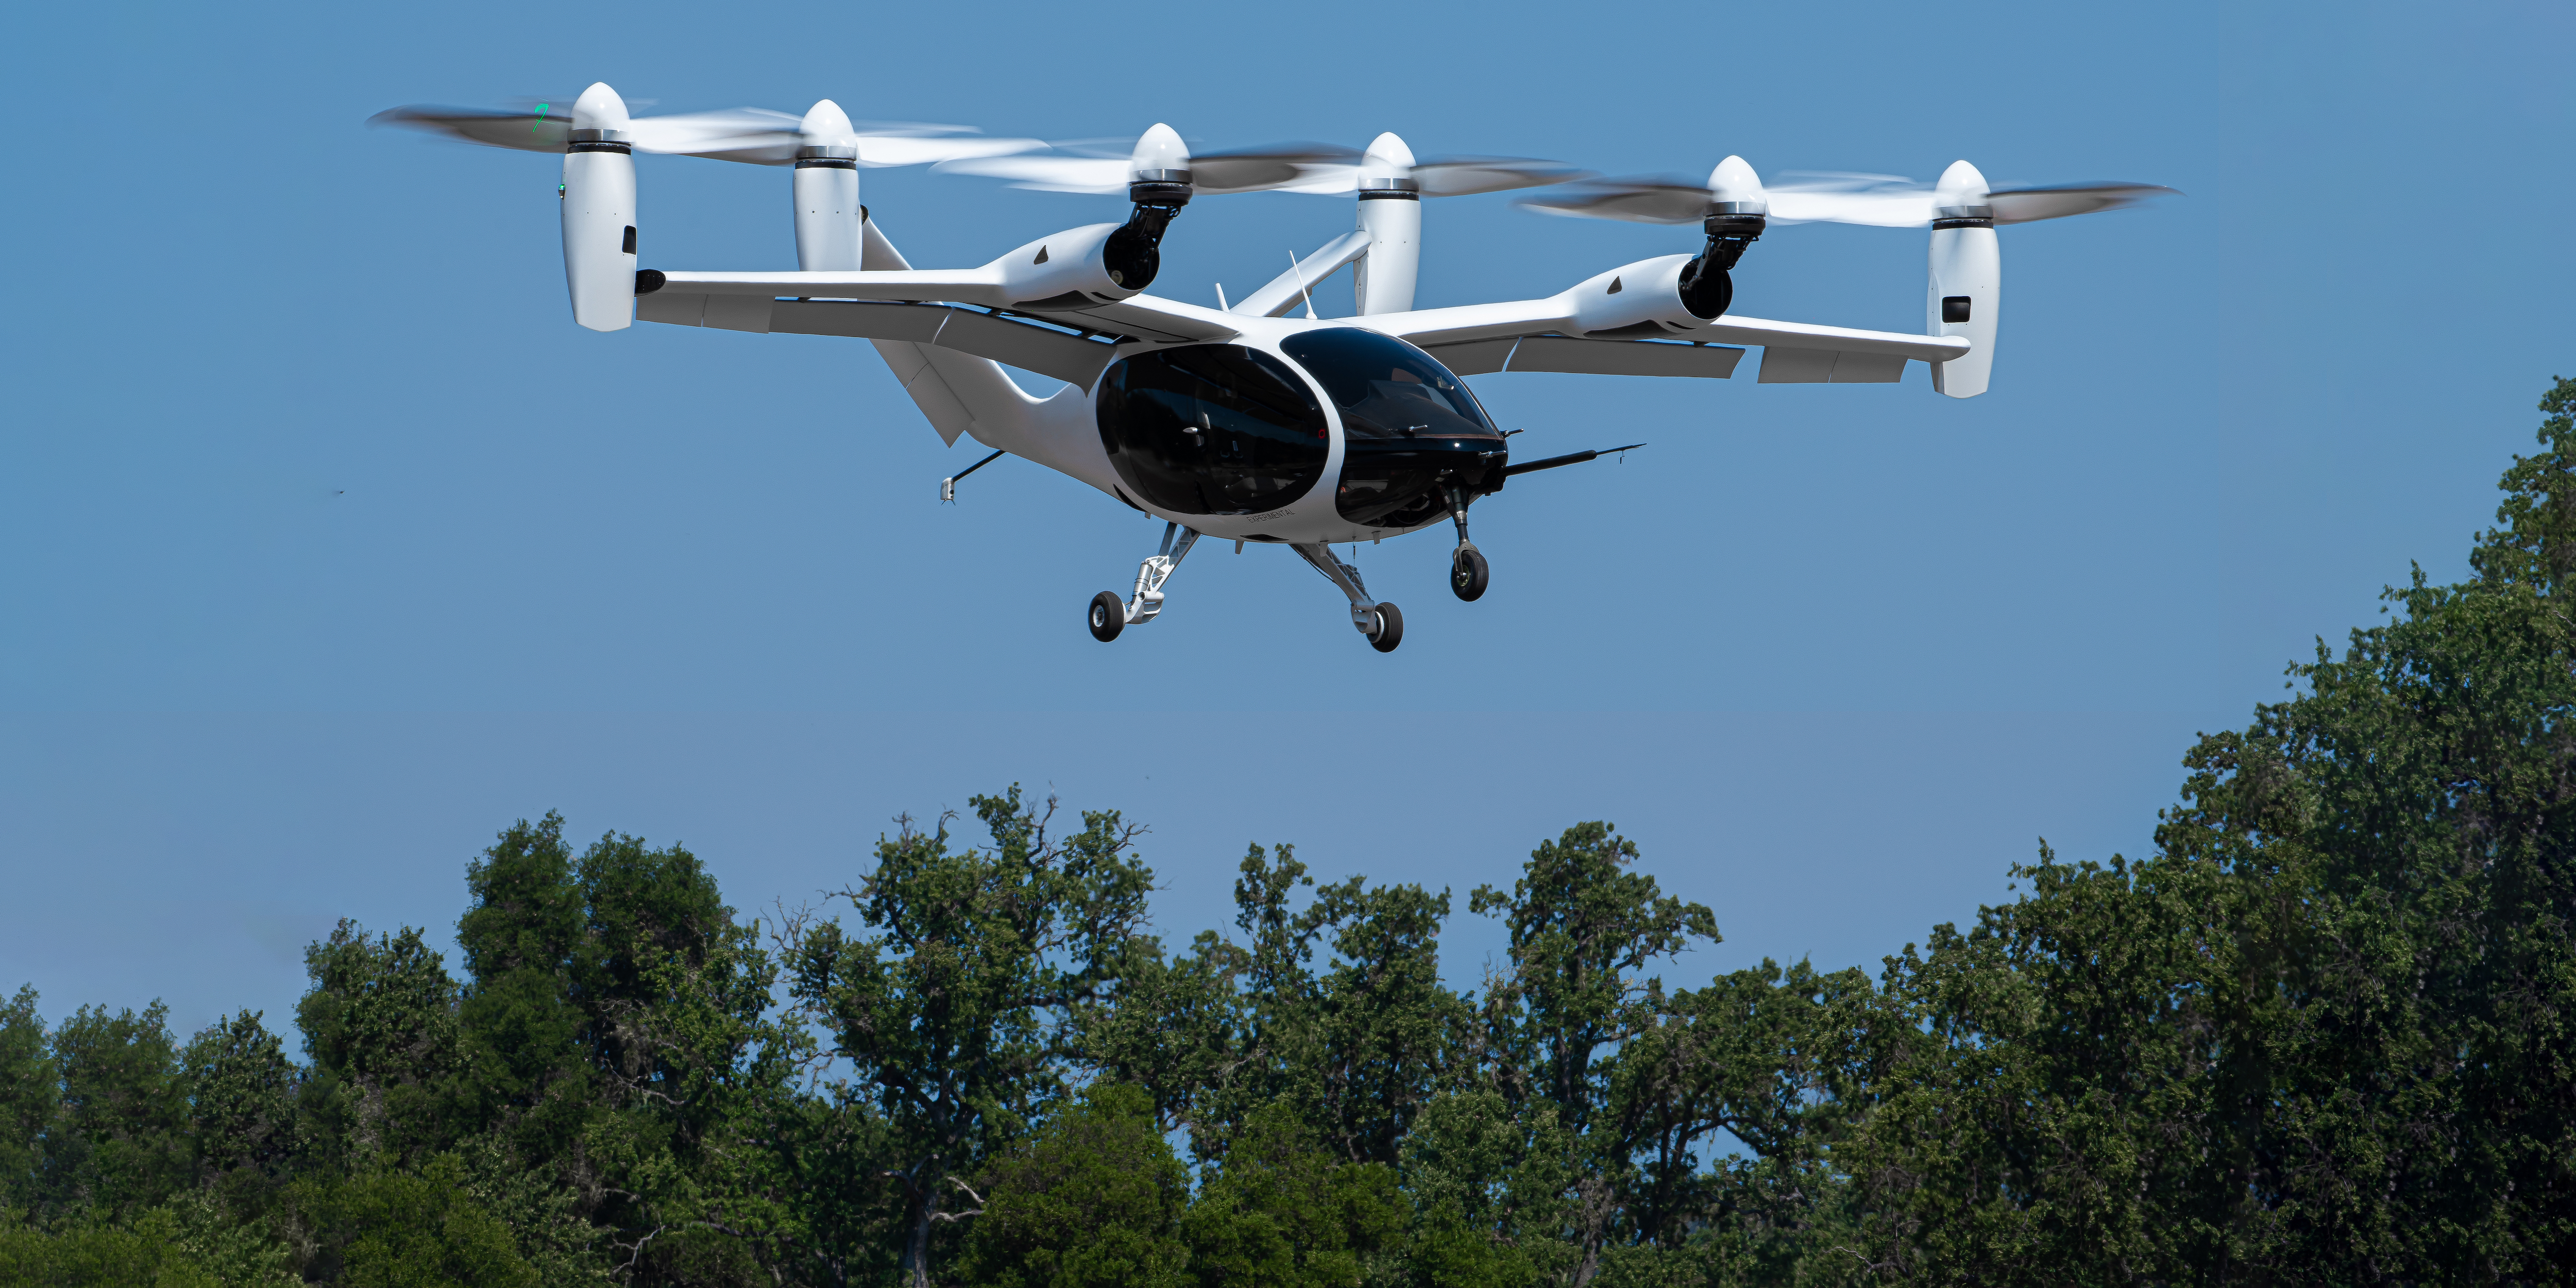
(1110,614)
(1468,571)
(1383,624)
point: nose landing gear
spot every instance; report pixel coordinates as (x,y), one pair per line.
(1468,571)
(1383,624)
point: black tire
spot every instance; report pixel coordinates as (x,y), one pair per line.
(1108,616)
(1468,574)
(1390,629)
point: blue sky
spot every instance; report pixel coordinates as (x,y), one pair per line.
(329,546)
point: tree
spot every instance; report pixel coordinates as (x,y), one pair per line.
(954,1013)
(91,1251)
(614,1022)
(1092,1200)
(241,1094)
(246,1140)
(379,1026)
(30,1095)
(1357,1047)
(2413,808)
(1583,929)
(1282,1212)
(1488,1184)
(2323,1034)
(1782,1062)
(409,1229)
(523,944)
(120,1143)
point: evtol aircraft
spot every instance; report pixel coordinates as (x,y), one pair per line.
(1244,422)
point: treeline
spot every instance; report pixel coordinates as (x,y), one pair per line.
(2322,1034)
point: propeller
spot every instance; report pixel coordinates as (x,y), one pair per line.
(1878,200)
(1326,168)
(1255,169)
(1448,176)
(752,135)
(1732,208)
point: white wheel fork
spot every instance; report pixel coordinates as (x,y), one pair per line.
(1363,608)
(1150,576)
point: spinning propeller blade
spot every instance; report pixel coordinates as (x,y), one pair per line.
(1253,169)
(546,129)
(1468,176)
(751,135)
(1324,168)
(1636,201)
(2023,205)
(1876,200)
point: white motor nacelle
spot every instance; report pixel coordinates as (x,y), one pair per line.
(1965,295)
(1068,270)
(599,212)
(828,213)
(1640,299)
(1391,214)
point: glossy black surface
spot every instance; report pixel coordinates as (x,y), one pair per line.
(1386,388)
(1411,428)
(1212,429)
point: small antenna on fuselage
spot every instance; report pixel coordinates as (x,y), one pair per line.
(1301,284)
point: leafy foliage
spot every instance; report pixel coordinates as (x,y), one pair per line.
(1092,1200)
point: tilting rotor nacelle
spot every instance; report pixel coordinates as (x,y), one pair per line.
(599,212)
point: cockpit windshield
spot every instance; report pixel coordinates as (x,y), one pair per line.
(1387,388)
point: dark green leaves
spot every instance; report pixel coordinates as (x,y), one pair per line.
(1093,1200)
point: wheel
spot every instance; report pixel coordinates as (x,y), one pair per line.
(1108,616)
(1390,629)
(1468,574)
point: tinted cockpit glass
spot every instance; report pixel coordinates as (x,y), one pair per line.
(1387,388)
(1212,429)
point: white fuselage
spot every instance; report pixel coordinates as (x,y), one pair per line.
(1063,433)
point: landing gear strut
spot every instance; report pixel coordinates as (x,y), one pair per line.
(1468,571)
(1109,614)
(1383,624)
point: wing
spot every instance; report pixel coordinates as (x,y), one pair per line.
(1590,357)
(916,305)
(1145,317)
(1541,335)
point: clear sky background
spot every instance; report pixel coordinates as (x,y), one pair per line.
(329,546)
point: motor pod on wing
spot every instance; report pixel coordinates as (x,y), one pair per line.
(827,192)
(1159,182)
(1390,203)
(1738,212)
(1634,300)
(1067,270)
(599,212)
(1964,295)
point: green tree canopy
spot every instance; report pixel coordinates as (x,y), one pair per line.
(1092,1200)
